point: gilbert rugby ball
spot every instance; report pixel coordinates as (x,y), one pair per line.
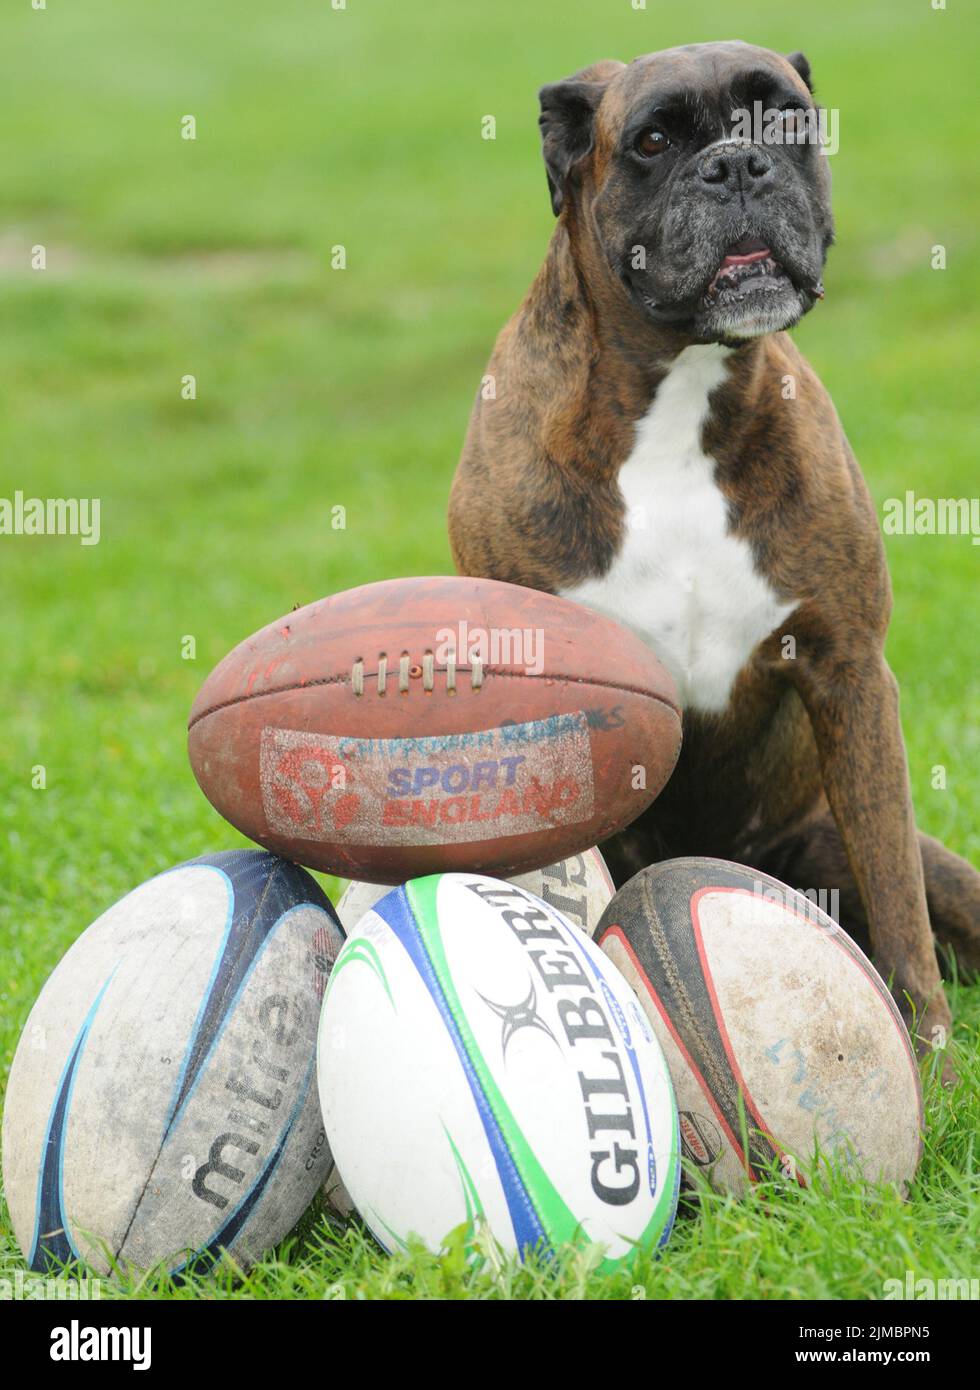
(480,1061)
(755,992)
(162,1103)
(579,887)
(423,725)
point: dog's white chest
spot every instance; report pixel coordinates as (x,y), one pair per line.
(680,580)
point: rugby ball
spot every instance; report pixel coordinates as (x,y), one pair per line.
(579,887)
(770,1018)
(480,1062)
(422,725)
(162,1104)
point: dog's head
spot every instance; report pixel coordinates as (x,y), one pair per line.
(698,173)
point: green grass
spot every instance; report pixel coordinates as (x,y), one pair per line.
(837,1239)
(320,388)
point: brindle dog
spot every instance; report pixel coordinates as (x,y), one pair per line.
(654,445)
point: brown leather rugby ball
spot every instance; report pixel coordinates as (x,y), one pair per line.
(426,725)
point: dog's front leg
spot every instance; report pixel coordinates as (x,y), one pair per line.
(852,702)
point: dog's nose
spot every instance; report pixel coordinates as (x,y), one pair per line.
(735,168)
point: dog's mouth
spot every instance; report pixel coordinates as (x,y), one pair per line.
(748,267)
(752,291)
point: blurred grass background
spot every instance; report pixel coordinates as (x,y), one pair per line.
(319,387)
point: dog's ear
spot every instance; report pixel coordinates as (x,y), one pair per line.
(567,118)
(801,63)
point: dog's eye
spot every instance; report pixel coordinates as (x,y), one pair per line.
(652,142)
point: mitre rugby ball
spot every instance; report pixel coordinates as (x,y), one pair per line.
(579,887)
(481,1061)
(423,725)
(756,994)
(162,1102)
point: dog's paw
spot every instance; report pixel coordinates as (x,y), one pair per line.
(930,1032)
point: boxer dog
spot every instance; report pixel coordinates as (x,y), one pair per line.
(650,442)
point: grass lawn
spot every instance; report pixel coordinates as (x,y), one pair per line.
(320,387)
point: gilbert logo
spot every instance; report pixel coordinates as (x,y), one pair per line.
(513,1017)
(595,1031)
(77,1343)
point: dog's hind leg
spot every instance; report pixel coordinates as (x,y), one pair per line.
(953,895)
(813,858)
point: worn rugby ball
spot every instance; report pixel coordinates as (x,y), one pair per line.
(579,887)
(162,1104)
(766,1009)
(424,725)
(481,1062)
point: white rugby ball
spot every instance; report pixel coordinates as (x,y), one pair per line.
(480,1060)
(580,887)
(162,1104)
